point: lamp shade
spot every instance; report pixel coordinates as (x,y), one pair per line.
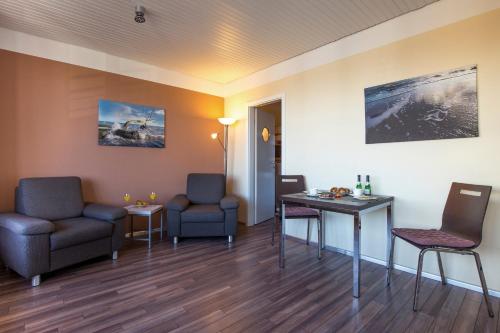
(226,121)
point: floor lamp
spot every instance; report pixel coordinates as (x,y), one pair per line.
(226,122)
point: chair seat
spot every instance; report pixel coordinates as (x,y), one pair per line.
(203,213)
(78,230)
(300,212)
(432,238)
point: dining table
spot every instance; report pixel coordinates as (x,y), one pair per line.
(358,208)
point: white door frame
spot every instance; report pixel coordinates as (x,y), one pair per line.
(252,161)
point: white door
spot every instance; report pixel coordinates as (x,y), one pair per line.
(264,166)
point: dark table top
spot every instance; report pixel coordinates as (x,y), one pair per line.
(347,205)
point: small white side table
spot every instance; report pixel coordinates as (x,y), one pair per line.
(147,211)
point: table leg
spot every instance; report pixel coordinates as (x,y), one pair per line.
(390,240)
(149,231)
(132,226)
(282,237)
(161,224)
(323,229)
(320,233)
(356,257)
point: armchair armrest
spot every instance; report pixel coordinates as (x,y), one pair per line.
(25,225)
(179,203)
(229,202)
(104,212)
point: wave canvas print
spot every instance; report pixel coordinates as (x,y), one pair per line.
(125,124)
(430,107)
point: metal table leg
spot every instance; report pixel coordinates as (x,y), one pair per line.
(308,231)
(132,226)
(390,246)
(323,229)
(161,224)
(149,231)
(282,237)
(320,233)
(356,257)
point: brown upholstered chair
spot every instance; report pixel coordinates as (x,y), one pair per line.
(295,184)
(461,232)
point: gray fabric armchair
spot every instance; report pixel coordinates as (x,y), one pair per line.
(204,211)
(53,228)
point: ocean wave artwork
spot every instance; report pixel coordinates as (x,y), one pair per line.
(131,125)
(429,107)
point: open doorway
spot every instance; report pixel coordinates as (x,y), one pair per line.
(267,138)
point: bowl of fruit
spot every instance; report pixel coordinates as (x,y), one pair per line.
(141,203)
(340,192)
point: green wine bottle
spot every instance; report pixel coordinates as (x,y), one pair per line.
(359,186)
(368,186)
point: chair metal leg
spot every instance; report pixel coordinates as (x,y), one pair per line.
(230,239)
(483,284)
(282,238)
(35,281)
(273,229)
(308,231)
(441,270)
(390,264)
(175,240)
(419,277)
(115,255)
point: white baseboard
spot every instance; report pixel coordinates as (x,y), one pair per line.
(453,282)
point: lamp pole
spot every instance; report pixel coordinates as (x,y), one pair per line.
(226,129)
(226,122)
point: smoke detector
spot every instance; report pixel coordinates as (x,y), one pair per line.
(139,14)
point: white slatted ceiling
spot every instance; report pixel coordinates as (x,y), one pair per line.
(218,40)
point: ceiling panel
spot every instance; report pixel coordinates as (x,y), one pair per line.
(217,40)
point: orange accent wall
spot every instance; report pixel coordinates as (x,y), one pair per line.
(48,127)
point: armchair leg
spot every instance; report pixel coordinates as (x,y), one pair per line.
(483,284)
(230,239)
(441,270)
(115,255)
(35,281)
(175,240)
(419,277)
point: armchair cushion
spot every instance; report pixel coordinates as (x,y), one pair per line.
(25,225)
(104,212)
(78,230)
(179,203)
(229,202)
(50,198)
(206,188)
(203,213)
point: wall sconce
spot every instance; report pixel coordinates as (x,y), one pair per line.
(215,136)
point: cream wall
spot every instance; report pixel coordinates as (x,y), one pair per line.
(324,140)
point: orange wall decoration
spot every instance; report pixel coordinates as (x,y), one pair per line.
(48,127)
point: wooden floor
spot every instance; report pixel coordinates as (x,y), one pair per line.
(204,286)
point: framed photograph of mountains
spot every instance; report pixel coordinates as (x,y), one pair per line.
(429,107)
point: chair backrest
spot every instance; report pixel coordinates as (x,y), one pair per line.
(465,210)
(50,198)
(289,184)
(206,188)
